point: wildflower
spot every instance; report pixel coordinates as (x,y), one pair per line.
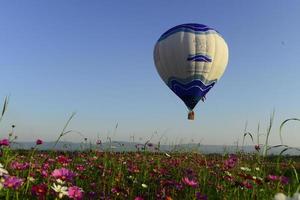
(30,178)
(144,185)
(19,166)
(257,147)
(245,169)
(38,142)
(80,167)
(4,142)
(60,181)
(257,180)
(257,169)
(247,185)
(12,182)
(44,173)
(168,198)
(98,142)
(138,198)
(200,196)
(228,173)
(272,177)
(149,144)
(63,159)
(75,192)
(168,155)
(63,174)
(61,190)
(281,196)
(231,161)
(2,170)
(116,190)
(189,182)
(39,190)
(284,180)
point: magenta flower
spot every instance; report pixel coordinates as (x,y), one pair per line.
(40,191)
(138,198)
(12,182)
(80,167)
(231,162)
(257,147)
(63,174)
(38,142)
(98,142)
(284,180)
(4,142)
(44,173)
(75,192)
(247,185)
(200,196)
(19,166)
(272,177)
(189,182)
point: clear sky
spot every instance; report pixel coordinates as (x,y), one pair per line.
(96,58)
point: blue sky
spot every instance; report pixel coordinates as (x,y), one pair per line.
(96,58)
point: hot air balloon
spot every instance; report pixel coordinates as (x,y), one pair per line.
(190,59)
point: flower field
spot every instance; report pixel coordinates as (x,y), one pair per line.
(146,173)
(95,174)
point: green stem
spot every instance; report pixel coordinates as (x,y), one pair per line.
(7,194)
(30,168)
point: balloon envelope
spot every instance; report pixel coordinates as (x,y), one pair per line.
(190,58)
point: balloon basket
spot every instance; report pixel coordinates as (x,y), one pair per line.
(191,115)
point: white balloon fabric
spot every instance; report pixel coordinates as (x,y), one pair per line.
(190,58)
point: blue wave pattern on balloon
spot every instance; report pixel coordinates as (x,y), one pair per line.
(194,28)
(190,93)
(199,58)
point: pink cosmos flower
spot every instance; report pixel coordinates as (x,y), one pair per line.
(19,166)
(190,182)
(80,167)
(4,142)
(38,142)
(12,182)
(138,198)
(284,180)
(63,174)
(272,177)
(98,142)
(39,191)
(44,173)
(247,184)
(257,147)
(231,162)
(75,192)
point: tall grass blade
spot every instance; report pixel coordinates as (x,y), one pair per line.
(5,104)
(282,124)
(268,133)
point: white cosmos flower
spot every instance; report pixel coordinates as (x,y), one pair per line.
(168,155)
(61,190)
(246,169)
(60,181)
(2,170)
(281,196)
(30,178)
(228,173)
